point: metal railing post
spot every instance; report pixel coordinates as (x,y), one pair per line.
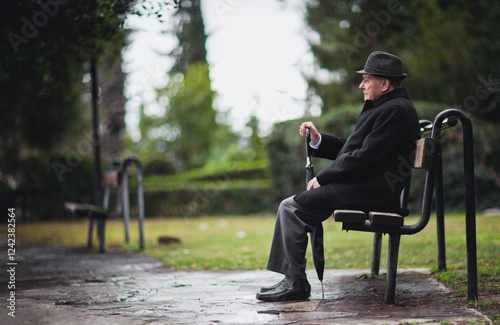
(140,197)
(140,204)
(470,211)
(125,202)
(439,199)
(470,201)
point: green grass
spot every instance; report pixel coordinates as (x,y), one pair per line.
(235,242)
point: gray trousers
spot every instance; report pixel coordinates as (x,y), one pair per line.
(288,249)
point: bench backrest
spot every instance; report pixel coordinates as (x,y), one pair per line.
(423,159)
(423,153)
(110,179)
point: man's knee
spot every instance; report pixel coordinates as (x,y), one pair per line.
(285,211)
(288,202)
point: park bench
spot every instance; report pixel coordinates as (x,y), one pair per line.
(115,179)
(428,158)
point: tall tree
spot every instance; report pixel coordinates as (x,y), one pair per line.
(46,47)
(44,50)
(255,142)
(112,106)
(190,118)
(190,31)
(348,31)
(482,21)
(445,47)
(186,130)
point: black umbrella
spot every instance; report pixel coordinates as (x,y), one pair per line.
(317,233)
(309,166)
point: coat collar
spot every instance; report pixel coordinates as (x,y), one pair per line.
(400,92)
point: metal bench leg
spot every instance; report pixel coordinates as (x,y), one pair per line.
(377,247)
(141,232)
(140,208)
(125,204)
(101,225)
(392,268)
(91,228)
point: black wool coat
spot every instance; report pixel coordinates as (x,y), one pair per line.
(368,167)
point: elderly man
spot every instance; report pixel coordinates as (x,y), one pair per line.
(385,132)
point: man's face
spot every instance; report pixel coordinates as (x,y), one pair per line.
(371,86)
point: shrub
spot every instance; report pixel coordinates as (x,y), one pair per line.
(159,167)
(41,193)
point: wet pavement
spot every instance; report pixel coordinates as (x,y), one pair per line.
(58,285)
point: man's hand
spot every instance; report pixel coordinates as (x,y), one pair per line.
(313,132)
(313,183)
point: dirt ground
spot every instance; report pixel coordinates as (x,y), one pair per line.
(59,285)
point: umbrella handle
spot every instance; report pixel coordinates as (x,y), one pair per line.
(308,140)
(309,166)
(308,154)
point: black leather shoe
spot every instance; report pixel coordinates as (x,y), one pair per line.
(287,289)
(274,286)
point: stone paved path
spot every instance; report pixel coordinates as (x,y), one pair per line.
(57,285)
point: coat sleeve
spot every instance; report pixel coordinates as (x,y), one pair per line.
(330,147)
(385,139)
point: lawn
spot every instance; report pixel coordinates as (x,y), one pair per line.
(243,242)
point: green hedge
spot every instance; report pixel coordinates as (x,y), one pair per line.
(231,201)
(42,191)
(236,188)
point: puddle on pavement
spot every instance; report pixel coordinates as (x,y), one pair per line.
(264,316)
(245,317)
(72,303)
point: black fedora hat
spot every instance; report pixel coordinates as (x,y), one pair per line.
(384,64)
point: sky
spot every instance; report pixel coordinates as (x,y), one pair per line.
(257,50)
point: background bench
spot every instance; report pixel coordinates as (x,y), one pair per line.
(114,180)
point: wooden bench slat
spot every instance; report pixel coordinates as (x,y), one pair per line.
(351,216)
(386,219)
(84,209)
